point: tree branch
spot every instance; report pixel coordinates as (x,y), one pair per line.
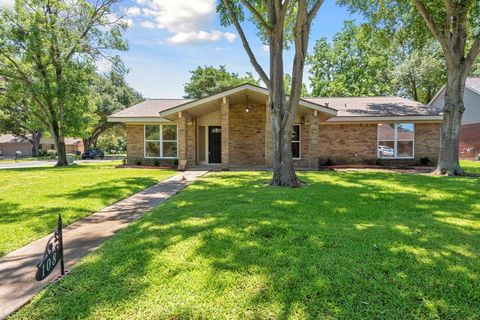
(245,43)
(432,25)
(257,16)
(313,12)
(473,54)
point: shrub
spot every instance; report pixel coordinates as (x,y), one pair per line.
(477,158)
(156,162)
(329,162)
(52,153)
(138,162)
(124,161)
(175,162)
(425,161)
(380,162)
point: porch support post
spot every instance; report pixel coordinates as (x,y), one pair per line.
(313,136)
(268,135)
(225,111)
(182,140)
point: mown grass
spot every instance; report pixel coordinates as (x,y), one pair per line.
(31,198)
(347,245)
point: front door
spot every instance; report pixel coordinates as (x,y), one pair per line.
(214,144)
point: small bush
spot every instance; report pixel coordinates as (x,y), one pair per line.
(380,162)
(156,162)
(477,158)
(124,161)
(425,161)
(329,162)
(52,153)
(175,162)
(138,162)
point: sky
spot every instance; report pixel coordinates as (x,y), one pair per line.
(168,38)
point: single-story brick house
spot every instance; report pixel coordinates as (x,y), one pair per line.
(10,144)
(233,128)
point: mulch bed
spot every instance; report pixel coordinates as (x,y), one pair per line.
(405,169)
(123,166)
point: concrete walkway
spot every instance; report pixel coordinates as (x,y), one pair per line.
(17,269)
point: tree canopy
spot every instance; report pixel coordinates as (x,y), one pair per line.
(208,80)
(48,51)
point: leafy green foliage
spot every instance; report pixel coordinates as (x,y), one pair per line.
(112,94)
(48,51)
(363,61)
(32,198)
(406,248)
(356,64)
(208,80)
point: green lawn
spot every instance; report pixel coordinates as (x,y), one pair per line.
(349,245)
(31,198)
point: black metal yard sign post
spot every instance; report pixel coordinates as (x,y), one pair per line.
(52,255)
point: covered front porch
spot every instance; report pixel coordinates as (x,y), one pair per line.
(233,130)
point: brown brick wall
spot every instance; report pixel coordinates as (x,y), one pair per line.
(348,143)
(339,142)
(135,136)
(427,140)
(247,135)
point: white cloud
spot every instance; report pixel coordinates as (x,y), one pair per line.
(7,4)
(133,11)
(185,20)
(147,24)
(200,36)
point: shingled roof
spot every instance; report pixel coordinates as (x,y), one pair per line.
(473,83)
(346,106)
(376,106)
(150,108)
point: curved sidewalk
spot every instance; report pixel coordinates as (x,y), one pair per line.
(17,269)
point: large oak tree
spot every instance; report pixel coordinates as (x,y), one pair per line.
(279,23)
(455,24)
(50,48)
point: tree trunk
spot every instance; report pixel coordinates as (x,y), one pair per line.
(448,160)
(36,136)
(283,170)
(60,144)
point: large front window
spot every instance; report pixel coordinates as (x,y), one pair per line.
(396,140)
(161,141)
(296,142)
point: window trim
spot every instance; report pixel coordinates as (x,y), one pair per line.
(299,142)
(161,141)
(395,141)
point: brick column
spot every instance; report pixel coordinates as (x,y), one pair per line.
(182,139)
(225,111)
(268,135)
(313,137)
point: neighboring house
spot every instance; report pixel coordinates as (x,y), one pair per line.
(72,145)
(10,144)
(233,128)
(470,129)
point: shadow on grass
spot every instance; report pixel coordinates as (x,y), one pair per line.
(27,224)
(347,245)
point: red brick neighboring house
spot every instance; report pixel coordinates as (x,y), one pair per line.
(470,129)
(233,128)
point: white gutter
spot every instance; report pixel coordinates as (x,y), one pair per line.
(137,119)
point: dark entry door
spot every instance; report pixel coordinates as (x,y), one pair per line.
(214,144)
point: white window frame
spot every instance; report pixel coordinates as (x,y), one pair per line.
(161,141)
(395,141)
(299,142)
